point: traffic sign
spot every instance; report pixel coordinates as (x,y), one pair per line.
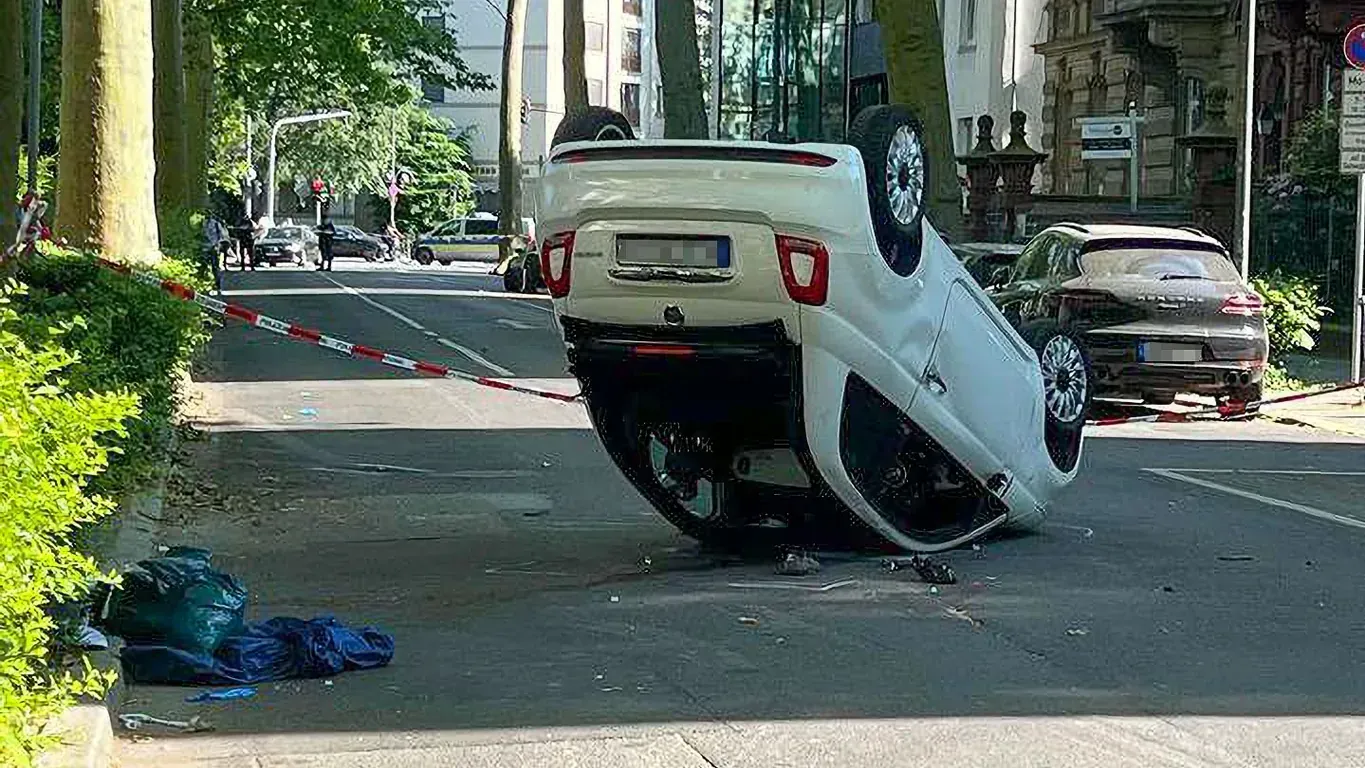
(1352,142)
(1107,139)
(1353,47)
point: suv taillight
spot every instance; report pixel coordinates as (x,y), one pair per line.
(805,269)
(1244,304)
(556,253)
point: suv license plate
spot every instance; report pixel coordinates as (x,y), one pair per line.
(1162,352)
(678,252)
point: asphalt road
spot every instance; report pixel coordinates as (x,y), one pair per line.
(1193,601)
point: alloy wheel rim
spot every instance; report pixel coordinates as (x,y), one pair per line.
(905,175)
(1064,378)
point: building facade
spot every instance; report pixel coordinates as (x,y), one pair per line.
(1159,58)
(990,62)
(616,36)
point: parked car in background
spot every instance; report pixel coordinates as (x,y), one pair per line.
(469,239)
(287,244)
(353,242)
(1160,311)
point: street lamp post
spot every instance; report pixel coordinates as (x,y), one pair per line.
(274,134)
(1248,125)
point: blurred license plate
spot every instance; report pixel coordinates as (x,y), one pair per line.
(683,252)
(1162,352)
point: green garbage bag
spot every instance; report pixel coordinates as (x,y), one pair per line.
(177,600)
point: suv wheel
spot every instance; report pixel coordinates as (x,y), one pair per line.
(593,124)
(891,141)
(1068,385)
(424,256)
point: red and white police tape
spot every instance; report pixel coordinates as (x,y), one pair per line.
(294,331)
(1225,411)
(308,335)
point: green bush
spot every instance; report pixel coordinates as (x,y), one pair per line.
(90,363)
(1293,312)
(131,336)
(53,441)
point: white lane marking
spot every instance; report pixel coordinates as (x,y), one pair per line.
(475,356)
(529,299)
(1274,502)
(546,310)
(469,474)
(789,585)
(395,314)
(462,349)
(1316,472)
(516,325)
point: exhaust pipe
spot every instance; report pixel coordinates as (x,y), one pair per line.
(1230,378)
(1245,377)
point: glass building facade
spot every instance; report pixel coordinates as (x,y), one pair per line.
(776,69)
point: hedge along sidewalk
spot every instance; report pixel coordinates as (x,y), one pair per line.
(89,366)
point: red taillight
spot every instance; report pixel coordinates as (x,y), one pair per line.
(662,350)
(805,269)
(556,253)
(1244,304)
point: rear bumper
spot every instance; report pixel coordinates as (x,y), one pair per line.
(722,364)
(1198,378)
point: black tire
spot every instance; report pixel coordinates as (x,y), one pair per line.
(615,418)
(1251,393)
(593,124)
(534,282)
(514,279)
(1068,387)
(891,141)
(424,256)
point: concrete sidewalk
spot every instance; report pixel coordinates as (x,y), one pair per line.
(1340,412)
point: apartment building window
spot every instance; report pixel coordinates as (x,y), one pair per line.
(593,35)
(631,7)
(630,102)
(433,91)
(630,52)
(595,95)
(967,19)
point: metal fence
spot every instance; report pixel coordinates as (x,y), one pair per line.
(1308,235)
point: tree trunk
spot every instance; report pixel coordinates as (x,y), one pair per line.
(575,71)
(172,160)
(675,27)
(199,108)
(106,170)
(913,41)
(12,90)
(509,144)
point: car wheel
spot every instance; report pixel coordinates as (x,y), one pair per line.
(679,474)
(1252,393)
(514,279)
(593,124)
(424,256)
(1068,385)
(534,283)
(891,141)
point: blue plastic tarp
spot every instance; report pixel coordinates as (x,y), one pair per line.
(278,649)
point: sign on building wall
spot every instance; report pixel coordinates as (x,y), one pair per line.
(1104,138)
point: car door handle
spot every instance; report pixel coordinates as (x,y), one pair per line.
(935,381)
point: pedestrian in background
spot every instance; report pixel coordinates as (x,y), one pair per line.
(246,240)
(215,248)
(326,233)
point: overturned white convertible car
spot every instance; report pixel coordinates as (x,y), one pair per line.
(765,332)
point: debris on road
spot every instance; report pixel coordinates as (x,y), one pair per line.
(616,598)
(279,649)
(961,613)
(231,694)
(929,571)
(748,621)
(137,720)
(177,600)
(1078,631)
(1236,558)
(798,564)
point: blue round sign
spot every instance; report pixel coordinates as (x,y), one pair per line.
(1354,47)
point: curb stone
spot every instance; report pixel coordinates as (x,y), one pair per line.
(120,540)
